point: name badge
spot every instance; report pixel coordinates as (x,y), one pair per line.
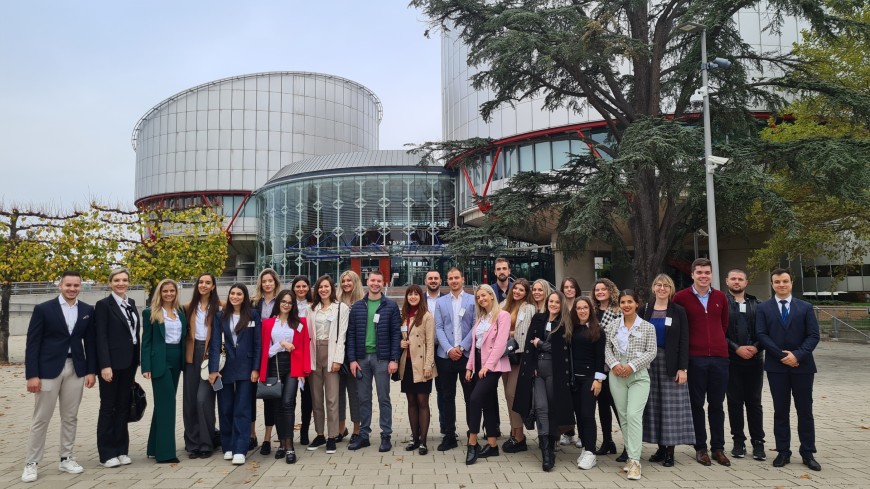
(669,321)
(404,328)
(330,318)
(742,307)
(549,327)
(461,312)
(299,328)
(377,318)
(521,316)
(252,324)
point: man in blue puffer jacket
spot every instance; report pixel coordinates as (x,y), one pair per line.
(373,337)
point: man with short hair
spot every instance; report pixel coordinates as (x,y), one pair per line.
(746,372)
(503,280)
(433,289)
(454,318)
(789,332)
(707,312)
(60,358)
(373,337)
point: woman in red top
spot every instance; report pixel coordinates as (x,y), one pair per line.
(286,355)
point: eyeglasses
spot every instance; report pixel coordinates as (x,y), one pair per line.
(286,303)
(662,286)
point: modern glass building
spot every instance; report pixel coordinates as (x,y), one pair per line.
(362,211)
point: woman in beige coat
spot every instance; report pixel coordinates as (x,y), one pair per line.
(417,364)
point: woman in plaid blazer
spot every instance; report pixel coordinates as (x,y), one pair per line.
(630,348)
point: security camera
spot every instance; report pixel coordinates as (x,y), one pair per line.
(714,162)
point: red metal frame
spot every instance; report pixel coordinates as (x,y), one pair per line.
(204,195)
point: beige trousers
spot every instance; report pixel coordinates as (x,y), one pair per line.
(324,384)
(509,380)
(67,387)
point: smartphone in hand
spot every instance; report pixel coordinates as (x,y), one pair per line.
(218,384)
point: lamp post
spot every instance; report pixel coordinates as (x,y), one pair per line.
(709,164)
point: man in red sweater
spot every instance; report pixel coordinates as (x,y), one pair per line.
(707,311)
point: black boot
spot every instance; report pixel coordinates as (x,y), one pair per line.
(669,456)
(622,458)
(303,435)
(659,455)
(547,452)
(606,447)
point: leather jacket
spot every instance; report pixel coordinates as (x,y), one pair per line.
(740,333)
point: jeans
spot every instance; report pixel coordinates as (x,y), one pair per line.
(374,369)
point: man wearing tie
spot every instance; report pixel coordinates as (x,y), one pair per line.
(454,316)
(787,329)
(57,364)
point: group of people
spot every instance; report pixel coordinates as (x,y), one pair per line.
(560,356)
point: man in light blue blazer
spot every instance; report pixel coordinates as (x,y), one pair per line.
(788,331)
(454,317)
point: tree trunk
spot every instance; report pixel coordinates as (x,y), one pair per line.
(650,249)
(5,299)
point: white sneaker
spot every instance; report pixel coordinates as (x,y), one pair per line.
(228,455)
(579,443)
(125,460)
(586,460)
(634,470)
(238,459)
(29,474)
(112,462)
(566,440)
(70,466)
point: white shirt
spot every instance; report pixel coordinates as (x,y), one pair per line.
(173,328)
(456,302)
(123,304)
(267,308)
(431,302)
(201,330)
(482,327)
(787,303)
(322,320)
(234,320)
(70,314)
(302,306)
(280,332)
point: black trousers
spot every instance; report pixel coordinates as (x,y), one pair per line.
(113,436)
(445,385)
(606,412)
(708,380)
(483,401)
(282,411)
(584,410)
(784,386)
(744,389)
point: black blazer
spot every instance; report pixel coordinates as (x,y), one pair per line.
(115,348)
(676,337)
(49,341)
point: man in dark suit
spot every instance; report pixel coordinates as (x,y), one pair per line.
(117,326)
(787,329)
(59,359)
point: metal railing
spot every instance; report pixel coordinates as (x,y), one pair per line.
(843,323)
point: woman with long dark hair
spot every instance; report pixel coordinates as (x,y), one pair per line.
(328,325)
(587,360)
(417,364)
(630,348)
(239,332)
(163,332)
(301,288)
(264,300)
(518,304)
(570,289)
(198,398)
(543,383)
(350,290)
(285,355)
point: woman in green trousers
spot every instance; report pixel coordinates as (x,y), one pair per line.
(162,360)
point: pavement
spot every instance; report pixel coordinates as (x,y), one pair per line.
(842,412)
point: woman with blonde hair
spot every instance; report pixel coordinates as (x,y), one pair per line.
(486,363)
(163,339)
(518,304)
(350,290)
(540,291)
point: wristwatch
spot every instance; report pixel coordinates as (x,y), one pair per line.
(461,349)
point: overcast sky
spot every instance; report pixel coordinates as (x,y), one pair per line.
(77,76)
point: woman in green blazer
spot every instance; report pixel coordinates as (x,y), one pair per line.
(164,331)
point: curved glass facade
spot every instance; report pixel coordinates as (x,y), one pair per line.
(364,219)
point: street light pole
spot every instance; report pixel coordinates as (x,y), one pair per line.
(709,167)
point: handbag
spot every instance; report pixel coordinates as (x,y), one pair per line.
(531,417)
(272,387)
(511,351)
(138,403)
(343,370)
(203,368)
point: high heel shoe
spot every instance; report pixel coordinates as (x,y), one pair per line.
(606,447)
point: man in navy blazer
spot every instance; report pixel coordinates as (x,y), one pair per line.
(60,358)
(454,317)
(787,329)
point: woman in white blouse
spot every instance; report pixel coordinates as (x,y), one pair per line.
(163,340)
(328,320)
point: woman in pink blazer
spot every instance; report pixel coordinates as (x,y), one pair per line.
(486,362)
